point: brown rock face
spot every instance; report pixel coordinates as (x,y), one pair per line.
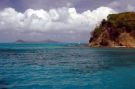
(117,31)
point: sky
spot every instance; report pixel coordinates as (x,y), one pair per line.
(59,20)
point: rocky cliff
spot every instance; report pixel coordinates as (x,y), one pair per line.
(117,31)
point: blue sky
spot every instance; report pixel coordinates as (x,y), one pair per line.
(61,20)
(80,5)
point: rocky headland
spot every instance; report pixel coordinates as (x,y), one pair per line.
(117,31)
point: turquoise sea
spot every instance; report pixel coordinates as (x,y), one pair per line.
(65,66)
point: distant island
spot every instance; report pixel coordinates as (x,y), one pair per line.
(44,41)
(117,31)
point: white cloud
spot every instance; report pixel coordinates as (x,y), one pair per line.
(130,8)
(122,6)
(63,24)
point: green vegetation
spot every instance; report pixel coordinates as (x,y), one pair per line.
(117,30)
(126,19)
(116,23)
(97,31)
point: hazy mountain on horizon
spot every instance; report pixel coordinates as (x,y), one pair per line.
(30,41)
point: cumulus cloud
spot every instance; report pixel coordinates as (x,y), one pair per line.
(121,6)
(130,7)
(62,24)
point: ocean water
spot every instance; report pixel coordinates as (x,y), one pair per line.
(65,66)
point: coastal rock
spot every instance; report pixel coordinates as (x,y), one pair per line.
(117,31)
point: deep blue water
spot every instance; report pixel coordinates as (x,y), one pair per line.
(65,66)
